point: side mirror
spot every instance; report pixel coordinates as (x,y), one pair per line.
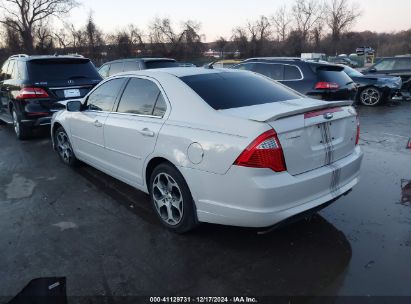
(73,106)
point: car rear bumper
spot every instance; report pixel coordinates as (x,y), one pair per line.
(37,122)
(261,198)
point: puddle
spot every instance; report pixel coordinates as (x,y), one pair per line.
(66,225)
(20,187)
(406,192)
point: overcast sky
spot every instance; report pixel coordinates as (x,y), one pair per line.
(218,17)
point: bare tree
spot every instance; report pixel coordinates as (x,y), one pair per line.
(340,16)
(24,16)
(240,40)
(260,32)
(282,23)
(221,43)
(307,14)
(63,37)
(44,39)
(166,40)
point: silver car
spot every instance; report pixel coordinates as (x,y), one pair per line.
(219,146)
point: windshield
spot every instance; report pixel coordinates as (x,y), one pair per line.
(228,90)
(351,72)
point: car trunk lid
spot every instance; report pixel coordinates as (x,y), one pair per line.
(312,133)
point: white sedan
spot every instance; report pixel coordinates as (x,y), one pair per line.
(219,146)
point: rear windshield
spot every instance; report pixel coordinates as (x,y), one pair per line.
(161,64)
(228,90)
(46,70)
(334,75)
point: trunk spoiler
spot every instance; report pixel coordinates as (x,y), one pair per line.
(277,110)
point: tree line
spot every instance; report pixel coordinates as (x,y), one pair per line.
(304,26)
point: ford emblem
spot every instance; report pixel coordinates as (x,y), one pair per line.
(70,82)
(328,115)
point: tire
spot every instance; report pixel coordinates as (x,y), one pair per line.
(64,148)
(22,132)
(171,199)
(370,97)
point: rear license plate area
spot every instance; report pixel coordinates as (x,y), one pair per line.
(72,93)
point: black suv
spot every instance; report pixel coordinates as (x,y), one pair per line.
(314,79)
(135,64)
(30,86)
(394,66)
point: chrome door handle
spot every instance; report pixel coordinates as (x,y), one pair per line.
(147,132)
(98,124)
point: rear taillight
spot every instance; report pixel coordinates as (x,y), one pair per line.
(264,152)
(30,93)
(357,138)
(324,85)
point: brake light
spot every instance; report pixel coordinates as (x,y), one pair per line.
(264,152)
(357,138)
(324,85)
(30,93)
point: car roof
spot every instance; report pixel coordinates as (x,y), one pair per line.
(275,59)
(141,59)
(396,57)
(24,57)
(178,72)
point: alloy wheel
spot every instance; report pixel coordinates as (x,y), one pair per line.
(64,147)
(16,124)
(168,199)
(370,97)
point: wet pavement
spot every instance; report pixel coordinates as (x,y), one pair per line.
(104,238)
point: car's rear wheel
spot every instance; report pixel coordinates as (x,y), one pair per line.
(370,97)
(171,199)
(64,148)
(21,131)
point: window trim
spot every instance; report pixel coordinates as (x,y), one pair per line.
(284,64)
(299,69)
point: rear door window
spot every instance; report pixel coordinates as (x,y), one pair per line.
(228,90)
(291,72)
(403,64)
(244,66)
(139,97)
(10,70)
(385,65)
(274,71)
(61,69)
(116,67)
(104,70)
(103,98)
(4,70)
(131,66)
(160,107)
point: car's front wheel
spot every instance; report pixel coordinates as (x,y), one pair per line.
(171,199)
(370,97)
(64,148)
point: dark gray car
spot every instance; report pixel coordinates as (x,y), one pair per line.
(394,66)
(135,64)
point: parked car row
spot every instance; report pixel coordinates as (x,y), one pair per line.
(222,146)
(325,81)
